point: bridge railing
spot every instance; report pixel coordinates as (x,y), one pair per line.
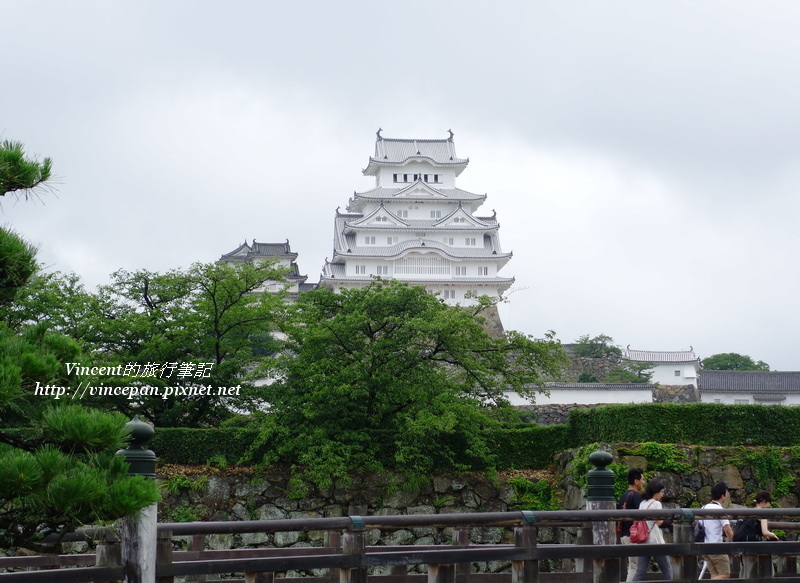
(346,558)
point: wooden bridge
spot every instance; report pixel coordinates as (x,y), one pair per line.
(344,557)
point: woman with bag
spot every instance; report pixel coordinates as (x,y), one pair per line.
(753,529)
(652,501)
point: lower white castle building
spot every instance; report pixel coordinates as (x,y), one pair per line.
(417,226)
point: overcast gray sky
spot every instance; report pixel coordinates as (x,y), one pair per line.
(643,157)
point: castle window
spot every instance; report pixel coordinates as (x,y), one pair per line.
(361,269)
(483,271)
(402,214)
(382,270)
(461,270)
(469,241)
(677,373)
(436,214)
(391,240)
(369,240)
(449,294)
(447,240)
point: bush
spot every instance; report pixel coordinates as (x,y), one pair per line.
(181,445)
(691,423)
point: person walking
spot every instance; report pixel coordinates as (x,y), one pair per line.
(754,529)
(718,565)
(652,501)
(630,500)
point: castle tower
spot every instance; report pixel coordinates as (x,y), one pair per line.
(417,226)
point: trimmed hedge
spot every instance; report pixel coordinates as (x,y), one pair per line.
(690,423)
(181,445)
(534,446)
(531,446)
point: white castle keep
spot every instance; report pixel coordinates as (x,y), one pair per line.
(417,226)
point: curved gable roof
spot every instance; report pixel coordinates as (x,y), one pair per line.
(394,151)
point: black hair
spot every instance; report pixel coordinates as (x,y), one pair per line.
(763,496)
(718,490)
(634,474)
(654,486)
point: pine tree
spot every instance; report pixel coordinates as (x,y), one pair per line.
(57,464)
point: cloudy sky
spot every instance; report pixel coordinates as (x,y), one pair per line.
(643,157)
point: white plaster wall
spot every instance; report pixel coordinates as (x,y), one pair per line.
(664,374)
(585,397)
(727,398)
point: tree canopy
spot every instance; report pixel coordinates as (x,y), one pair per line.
(57,464)
(18,173)
(209,319)
(733,361)
(389,376)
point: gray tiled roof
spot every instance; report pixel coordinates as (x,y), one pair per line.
(383,193)
(392,150)
(656,356)
(600,386)
(741,381)
(417,225)
(245,251)
(390,251)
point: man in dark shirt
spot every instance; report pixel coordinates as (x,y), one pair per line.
(630,500)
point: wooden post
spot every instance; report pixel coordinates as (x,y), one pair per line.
(163,553)
(685,567)
(461,539)
(139,546)
(261,577)
(764,566)
(353,544)
(787,565)
(584,538)
(109,554)
(198,543)
(601,497)
(441,573)
(527,571)
(139,532)
(333,540)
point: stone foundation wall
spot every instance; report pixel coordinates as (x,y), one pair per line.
(557,413)
(676,394)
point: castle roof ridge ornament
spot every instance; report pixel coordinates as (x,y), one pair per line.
(378,133)
(450,139)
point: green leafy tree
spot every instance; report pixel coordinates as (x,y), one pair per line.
(57,464)
(593,357)
(211,316)
(733,361)
(599,346)
(389,376)
(18,173)
(58,299)
(629,371)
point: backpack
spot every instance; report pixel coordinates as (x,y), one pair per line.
(699,532)
(747,530)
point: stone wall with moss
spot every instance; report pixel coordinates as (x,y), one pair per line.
(200,493)
(689,472)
